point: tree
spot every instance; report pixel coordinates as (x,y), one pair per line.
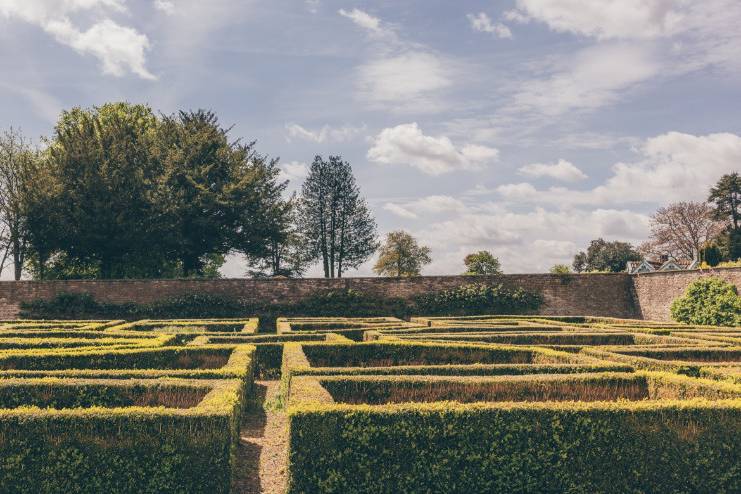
(125,193)
(216,195)
(681,229)
(19,162)
(712,255)
(726,196)
(560,269)
(605,256)
(104,173)
(482,263)
(285,253)
(334,218)
(401,255)
(580,262)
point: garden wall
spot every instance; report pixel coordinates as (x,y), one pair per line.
(598,294)
(655,292)
(645,296)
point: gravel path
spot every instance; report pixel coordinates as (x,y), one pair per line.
(261,465)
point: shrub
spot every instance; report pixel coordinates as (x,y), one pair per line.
(657,445)
(709,301)
(120,450)
(478,298)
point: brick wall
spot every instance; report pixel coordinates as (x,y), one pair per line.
(645,296)
(600,294)
(655,292)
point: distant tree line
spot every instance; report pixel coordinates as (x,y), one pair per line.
(706,231)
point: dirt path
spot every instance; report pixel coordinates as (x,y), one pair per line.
(261,465)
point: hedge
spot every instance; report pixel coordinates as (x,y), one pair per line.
(431,359)
(122,449)
(687,360)
(238,363)
(661,445)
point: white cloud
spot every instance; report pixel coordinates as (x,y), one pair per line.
(595,77)
(406,144)
(673,167)
(606,19)
(312,5)
(324,134)
(409,79)
(435,204)
(165,6)
(120,49)
(293,171)
(697,33)
(527,241)
(483,23)
(562,170)
(364,20)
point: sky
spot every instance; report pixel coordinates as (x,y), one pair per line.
(522,127)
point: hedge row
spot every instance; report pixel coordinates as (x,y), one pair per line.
(122,450)
(625,446)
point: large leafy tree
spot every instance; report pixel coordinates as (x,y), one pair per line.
(334,218)
(605,256)
(216,195)
(482,263)
(105,174)
(401,255)
(125,193)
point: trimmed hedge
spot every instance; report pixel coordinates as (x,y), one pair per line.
(606,447)
(122,450)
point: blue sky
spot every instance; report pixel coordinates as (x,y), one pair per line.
(524,127)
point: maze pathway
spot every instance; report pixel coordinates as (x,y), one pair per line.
(262,452)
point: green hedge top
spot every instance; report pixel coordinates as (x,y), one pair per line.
(223,362)
(308,391)
(241,326)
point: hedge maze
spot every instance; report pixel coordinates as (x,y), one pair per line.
(498,404)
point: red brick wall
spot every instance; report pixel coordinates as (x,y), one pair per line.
(646,296)
(655,292)
(599,294)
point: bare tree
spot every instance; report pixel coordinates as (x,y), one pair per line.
(18,159)
(681,229)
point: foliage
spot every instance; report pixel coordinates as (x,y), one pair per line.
(482,263)
(401,255)
(729,243)
(711,301)
(711,255)
(605,256)
(726,196)
(448,447)
(127,194)
(334,218)
(478,299)
(560,269)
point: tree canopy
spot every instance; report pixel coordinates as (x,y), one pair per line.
(126,193)
(605,256)
(482,263)
(401,255)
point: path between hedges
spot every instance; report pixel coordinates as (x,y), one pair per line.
(261,465)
